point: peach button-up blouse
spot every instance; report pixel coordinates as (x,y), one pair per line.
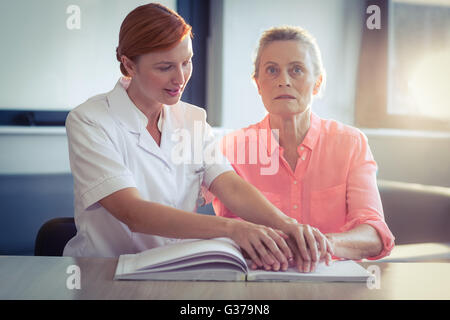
(333,186)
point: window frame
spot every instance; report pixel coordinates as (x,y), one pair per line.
(197,14)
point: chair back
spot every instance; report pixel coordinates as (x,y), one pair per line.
(53,236)
(416,213)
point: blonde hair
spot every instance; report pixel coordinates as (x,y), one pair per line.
(286,33)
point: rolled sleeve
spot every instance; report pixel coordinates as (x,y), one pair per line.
(382,229)
(213,171)
(363,198)
(97,166)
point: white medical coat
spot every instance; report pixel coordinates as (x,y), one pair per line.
(110,149)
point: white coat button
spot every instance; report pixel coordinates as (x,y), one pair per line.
(295,206)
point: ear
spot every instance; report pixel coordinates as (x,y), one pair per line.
(317,85)
(257,85)
(129,65)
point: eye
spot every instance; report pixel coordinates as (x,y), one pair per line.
(165,68)
(271,70)
(297,70)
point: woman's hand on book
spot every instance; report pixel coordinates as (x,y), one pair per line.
(302,265)
(266,247)
(310,246)
(307,265)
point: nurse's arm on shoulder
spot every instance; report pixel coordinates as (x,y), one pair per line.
(261,243)
(244,200)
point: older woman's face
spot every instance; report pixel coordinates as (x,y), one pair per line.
(286,80)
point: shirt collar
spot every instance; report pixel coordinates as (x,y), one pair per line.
(312,135)
(309,141)
(160,120)
(125,111)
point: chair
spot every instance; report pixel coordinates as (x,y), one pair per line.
(416,213)
(419,217)
(53,236)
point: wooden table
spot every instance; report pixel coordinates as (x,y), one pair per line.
(28,277)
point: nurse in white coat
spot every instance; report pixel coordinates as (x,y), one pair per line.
(132,192)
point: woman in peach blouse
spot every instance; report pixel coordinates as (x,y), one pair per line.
(317,171)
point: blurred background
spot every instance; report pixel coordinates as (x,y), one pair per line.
(387,64)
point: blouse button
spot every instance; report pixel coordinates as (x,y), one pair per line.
(295,206)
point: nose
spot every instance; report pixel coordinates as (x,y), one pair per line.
(178,77)
(284,79)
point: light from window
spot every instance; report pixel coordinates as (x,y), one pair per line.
(419,59)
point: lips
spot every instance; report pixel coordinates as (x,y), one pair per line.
(284,96)
(173,92)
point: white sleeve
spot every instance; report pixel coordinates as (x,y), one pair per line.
(96,162)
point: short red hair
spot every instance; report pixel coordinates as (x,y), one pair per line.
(149,28)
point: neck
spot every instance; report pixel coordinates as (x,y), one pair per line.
(292,129)
(150,108)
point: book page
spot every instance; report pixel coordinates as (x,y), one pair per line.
(187,249)
(220,272)
(348,271)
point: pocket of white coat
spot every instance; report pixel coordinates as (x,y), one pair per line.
(329,208)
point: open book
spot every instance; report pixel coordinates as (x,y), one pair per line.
(220,259)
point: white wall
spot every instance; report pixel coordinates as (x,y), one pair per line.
(408,156)
(45,64)
(337,26)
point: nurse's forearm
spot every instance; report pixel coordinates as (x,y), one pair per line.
(157,219)
(153,218)
(359,243)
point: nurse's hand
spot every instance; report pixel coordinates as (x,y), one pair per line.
(265,246)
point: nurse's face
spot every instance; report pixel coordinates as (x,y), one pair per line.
(160,77)
(286,80)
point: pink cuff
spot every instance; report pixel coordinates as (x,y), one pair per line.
(381,227)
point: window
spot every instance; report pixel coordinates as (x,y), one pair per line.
(405,67)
